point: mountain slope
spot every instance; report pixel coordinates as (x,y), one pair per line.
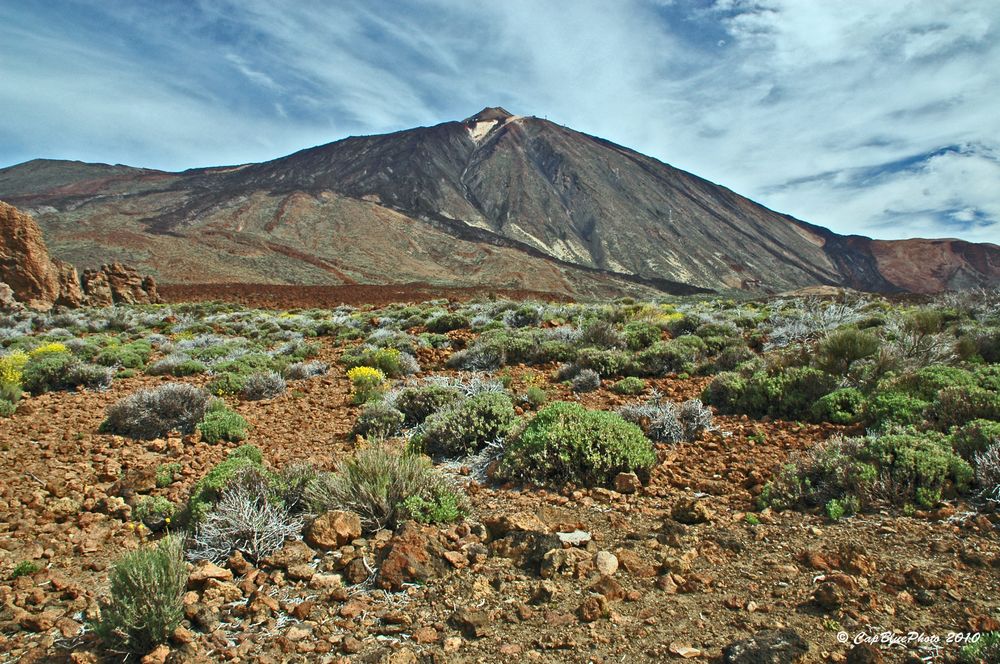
(495,199)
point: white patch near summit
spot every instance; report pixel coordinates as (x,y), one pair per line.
(479,130)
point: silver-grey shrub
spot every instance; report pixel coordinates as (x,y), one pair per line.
(244,520)
(152,413)
(263,385)
(304,370)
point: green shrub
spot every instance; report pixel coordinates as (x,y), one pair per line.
(417,403)
(384,487)
(145,606)
(630,386)
(391,361)
(7,408)
(894,408)
(954,406)
(209,489)
(725,392)
(900,467)
(974,437)
(153,512)
(379,420)
(227,384)
(605,362)
(665,357)
(536,397)
(447,323)
(176,366)
(927,382)
(843,406)
(467,427)
(133,355)
(48,372)
(441,504)
(842,348)
(640,334)
(166,474)
(565,442)
(984,651)
(789,393)
(24,568)
(988,377)
(222,424)
(153,413)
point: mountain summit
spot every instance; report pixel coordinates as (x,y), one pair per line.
(494,200)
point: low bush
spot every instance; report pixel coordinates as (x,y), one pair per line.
(417,403)
(535,397)
(385,487)
(133,355)
(927,382)
(565,442)
(227,384)
(984,651)
(176,365)
(153,512)
(665,357)
(367,384)
(630,386)
(48,371)
(447,323)
(263,385)
(379,420)
(888,408)
(305,370)
(481,356)
(390,361)
(839,350)
(605,362)
(899,467)
(954,406)
(640,334)
(246,519)
(788,393)
(467,426)
(153,413)
(975,437)
(587,380)
(166,474)
(209,489)
(145,604)
(843,406)
(222,424)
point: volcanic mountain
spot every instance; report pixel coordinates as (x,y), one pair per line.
(495,200)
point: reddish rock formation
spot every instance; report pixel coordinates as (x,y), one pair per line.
(29,276)
(24,260)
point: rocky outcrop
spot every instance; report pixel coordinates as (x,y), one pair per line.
(24,260)
(30,277)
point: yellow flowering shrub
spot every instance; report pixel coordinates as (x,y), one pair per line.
(51,347)
(366,383)
(12,367)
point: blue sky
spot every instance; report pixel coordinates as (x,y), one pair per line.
(880,118)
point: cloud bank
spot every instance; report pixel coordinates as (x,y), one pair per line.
(873,118)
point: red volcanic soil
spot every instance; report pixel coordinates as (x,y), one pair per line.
(280,296)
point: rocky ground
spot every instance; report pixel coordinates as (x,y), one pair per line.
(682,568)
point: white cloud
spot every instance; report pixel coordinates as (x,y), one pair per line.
(785,101)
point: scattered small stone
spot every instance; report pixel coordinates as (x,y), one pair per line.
(575,538)
(592,608)
(627,483)
(606,563)
(473,623)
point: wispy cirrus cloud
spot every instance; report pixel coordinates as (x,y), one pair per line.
(875,118)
